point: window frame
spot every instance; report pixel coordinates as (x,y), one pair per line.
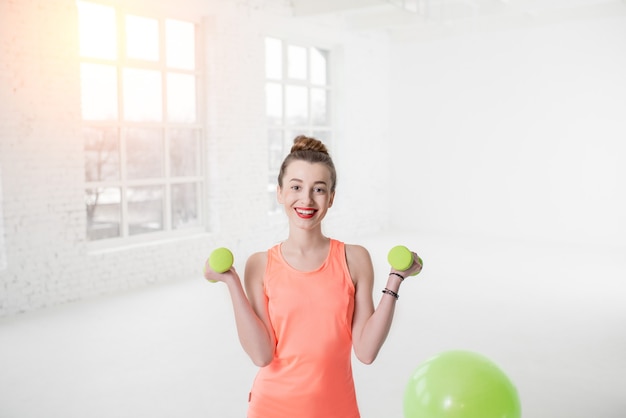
(165,128)
(289,131)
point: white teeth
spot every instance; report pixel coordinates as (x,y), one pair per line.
(306,212)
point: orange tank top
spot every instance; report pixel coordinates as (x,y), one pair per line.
(311,315)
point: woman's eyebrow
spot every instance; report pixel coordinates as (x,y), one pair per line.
(317,182)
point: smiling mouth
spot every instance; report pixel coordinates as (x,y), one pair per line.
(305,213)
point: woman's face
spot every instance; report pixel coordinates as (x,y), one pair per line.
(305,193)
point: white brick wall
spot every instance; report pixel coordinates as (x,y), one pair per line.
(46,259)
(3,250)
(41,154)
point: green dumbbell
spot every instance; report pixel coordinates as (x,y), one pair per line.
(220,261)
(401,258)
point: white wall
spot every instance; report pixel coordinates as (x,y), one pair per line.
(46,259)
(515,133)
(362,153)
(3,251)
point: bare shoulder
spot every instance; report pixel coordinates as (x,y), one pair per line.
(359,262)
(257,258)
(356,253)
(255,266)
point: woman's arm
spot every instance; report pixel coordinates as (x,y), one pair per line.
(370,326)
(251,318)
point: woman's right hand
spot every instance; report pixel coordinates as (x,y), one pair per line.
(212,276)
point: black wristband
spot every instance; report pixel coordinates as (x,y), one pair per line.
(396,274)
(391,293)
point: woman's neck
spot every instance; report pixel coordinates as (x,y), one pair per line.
(305,251)
(305,240)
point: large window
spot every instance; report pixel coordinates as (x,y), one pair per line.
(142,134)
(298,100)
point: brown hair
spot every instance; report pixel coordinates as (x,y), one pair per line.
(312,150)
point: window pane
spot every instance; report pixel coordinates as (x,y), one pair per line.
(184,152)
(98,91)
(144,153)
(97,30)
(184,205)
(290,135)
(276,155)
(319,66)
(296,105)
(325,137)
(319,111)
(102,154)
(103,206)
(142,38)
(296,62)
(273,58)
(181,98)
(142,95)
(180,44)
(145,209)
(274,103)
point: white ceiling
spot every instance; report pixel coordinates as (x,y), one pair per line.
(405,17)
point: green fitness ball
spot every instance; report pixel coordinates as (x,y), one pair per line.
(460,384)
(221,260)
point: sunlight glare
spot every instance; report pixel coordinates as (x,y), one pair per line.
(98,91)
(142,38)
(180,42)
(142,95)
(97,30)
(181,98)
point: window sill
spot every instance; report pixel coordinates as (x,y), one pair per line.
(113,245)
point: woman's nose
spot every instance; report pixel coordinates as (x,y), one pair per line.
(308,197)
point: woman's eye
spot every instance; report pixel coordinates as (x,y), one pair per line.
(295,188)
(320,190)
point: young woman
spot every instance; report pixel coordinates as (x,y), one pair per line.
(308,302)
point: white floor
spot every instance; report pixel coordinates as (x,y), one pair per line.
(552,317)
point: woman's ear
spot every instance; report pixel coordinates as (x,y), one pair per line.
(332,199)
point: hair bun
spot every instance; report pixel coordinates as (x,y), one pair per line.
(306,143)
